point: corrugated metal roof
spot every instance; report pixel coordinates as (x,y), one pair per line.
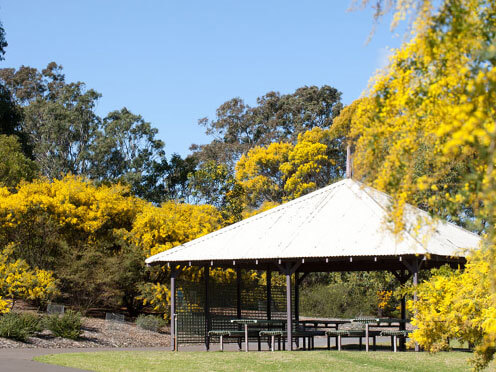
(344,219)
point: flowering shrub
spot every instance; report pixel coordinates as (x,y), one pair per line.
(425,133)
(460,305)
(18,280)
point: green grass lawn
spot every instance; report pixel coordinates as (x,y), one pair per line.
(349,361)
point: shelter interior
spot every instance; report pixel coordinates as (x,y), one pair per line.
(199,307)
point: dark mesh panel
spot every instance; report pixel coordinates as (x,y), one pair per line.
(190,299)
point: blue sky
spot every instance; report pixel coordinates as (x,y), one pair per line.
(174,62)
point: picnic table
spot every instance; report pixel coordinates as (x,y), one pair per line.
(279,325)
(367,322)
(308,328)
(376,323)
(257,322)
(390,322)
(323,323)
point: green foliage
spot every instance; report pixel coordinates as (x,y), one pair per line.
(276,118)
(177,178)
(213,183)
(69,325)
(58,118)
(346,303)
(344,295)
(11,114)
(150,322)
(19,326)
(126,149)
(15,166)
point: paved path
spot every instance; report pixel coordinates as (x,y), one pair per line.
(21,360)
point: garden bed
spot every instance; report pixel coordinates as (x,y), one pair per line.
(97,333)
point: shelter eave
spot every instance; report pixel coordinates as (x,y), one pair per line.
(327,264)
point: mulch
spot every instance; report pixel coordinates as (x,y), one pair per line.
(97,333)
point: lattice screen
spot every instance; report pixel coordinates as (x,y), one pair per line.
(192,325)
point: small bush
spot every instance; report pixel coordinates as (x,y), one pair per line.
(150,322)
(67,326)
(19,326)
(337,300)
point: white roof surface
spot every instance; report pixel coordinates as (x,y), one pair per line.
(346,218)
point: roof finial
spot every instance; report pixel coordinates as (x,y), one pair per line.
(349,171)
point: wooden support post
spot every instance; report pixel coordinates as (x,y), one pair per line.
(238,293)
(206,275)
(289,309)
(173,310)
(367,337)
(415,283)
(269,294)
(288,270)
(414,267)
(297,297)
(297,304)
(403,322)
(402,277)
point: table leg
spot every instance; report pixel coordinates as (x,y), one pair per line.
(246,337)
(339,342)
(221,343)
(272,343)
(395,344)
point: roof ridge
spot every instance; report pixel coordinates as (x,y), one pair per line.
(312,214)
(263,214)
(406,232)
(434,217)
(414,210)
